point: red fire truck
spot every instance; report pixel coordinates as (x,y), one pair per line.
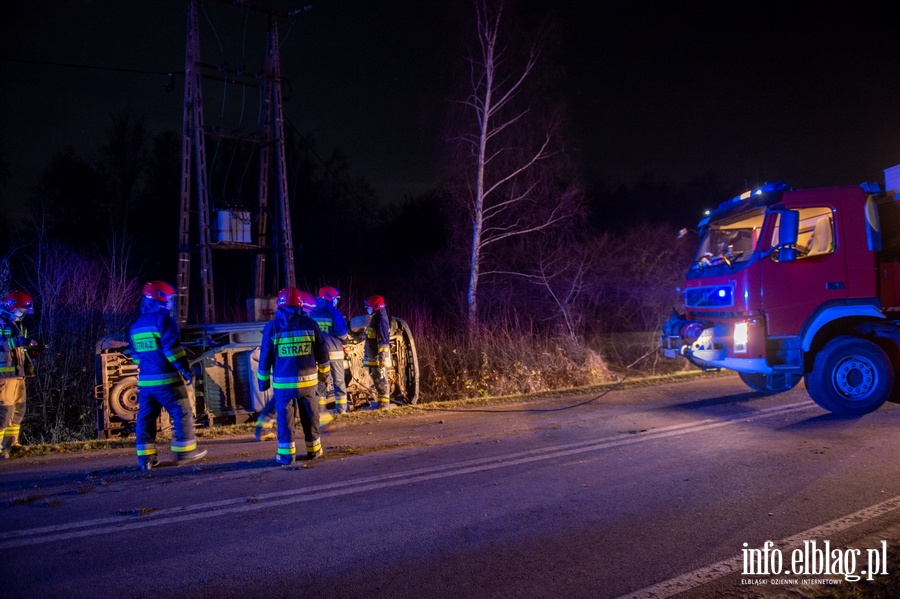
(790,284)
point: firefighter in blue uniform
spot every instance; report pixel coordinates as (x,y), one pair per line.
(15,365)
(163,377)
(377,349)
(292,360)
(334,327)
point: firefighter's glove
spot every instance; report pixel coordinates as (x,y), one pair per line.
(34,348)
(323,371)
(263,385)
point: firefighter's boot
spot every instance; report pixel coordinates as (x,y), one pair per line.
(264,430)
(314,449)
(10,438)
(191,456)
(148,462)
(325,419)
(284,460)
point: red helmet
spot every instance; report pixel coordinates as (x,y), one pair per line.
(376,302)
(159,291)
(293,297)
(18,300)
(289,296)
(329,293)
(307,300)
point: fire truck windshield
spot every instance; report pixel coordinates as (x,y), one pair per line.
(729,240)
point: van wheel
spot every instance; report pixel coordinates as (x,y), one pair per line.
(850,377)
(123,398)
(770,384)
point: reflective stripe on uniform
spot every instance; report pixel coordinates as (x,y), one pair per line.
(155,380)
(324,322)
(183,446)
(292,337)
(314,446)
(287,448)
(177,355)
(146,449)
(298,382)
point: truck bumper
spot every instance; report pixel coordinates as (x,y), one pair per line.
(750,365)
(672,347)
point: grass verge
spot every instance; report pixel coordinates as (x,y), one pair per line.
(234,430)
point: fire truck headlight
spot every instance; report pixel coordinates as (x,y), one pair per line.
(740,337)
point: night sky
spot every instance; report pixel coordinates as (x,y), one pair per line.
(807,93)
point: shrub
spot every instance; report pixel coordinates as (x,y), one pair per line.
(502,361)
(79,299)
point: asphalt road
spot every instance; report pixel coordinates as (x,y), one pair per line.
(651,491)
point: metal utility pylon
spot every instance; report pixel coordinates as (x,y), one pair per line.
(194,154)
(273,95)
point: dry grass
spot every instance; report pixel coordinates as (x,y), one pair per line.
(490,365)
(476,401)
(499,363)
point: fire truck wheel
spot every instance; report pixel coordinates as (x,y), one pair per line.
(123,398)
(850,377)
(770,383)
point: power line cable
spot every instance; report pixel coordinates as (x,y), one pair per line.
(90,67)
(215,33)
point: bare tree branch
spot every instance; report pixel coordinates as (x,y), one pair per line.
(510,142)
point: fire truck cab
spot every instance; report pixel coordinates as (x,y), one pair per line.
(798,284)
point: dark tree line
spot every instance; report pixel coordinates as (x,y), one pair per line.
(411,250)
(560,264)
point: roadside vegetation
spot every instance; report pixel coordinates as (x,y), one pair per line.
(515,274)
(79,301)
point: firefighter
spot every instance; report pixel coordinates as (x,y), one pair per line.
(334,327)
(292,360)
(266,422)
(15,365)
(163,378)
(377,349)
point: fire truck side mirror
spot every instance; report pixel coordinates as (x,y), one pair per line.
(788,232)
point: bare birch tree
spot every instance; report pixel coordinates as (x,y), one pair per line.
(507,143)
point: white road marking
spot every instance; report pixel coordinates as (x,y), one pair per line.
(198,511)
(733,565)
